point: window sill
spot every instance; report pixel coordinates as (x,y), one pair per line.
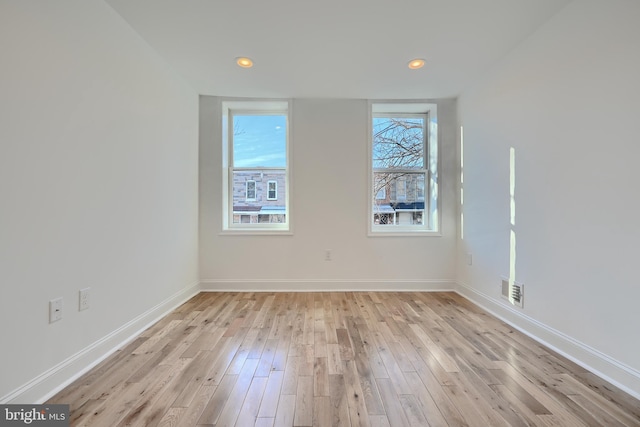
(404,233)
(255,232)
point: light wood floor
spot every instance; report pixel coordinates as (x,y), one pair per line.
(340,359)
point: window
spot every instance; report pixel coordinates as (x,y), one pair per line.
(401,188)
(250,191)
(255,164)
(272,190)
(403,162)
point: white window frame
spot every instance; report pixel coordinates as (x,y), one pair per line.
(431,221)
(275,189)
(228,108)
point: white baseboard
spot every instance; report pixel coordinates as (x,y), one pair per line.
(262,285)
(47,384)
(606,367)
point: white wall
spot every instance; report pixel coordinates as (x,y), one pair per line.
(567,101)
(329,202)
(98,188)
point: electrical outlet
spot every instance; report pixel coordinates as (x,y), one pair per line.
(469,259)
(85,299)
(55,310)
(328,255)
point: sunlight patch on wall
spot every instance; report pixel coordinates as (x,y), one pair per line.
(512,234)
(461,182)
(512,184)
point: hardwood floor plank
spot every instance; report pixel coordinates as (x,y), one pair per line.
(192,378)
(265,366)
(150,409)
(233,405)
(611,393)
(172,417)
(320,339)
(392,406)
(149,344)
(346,351)
(320,377)
(265,422)
(340,359)
(290,380)
(321,411)
(286,411)
(114,407)
(339,403)
(596,401)
(364,368)
(438,352)
(227,353)
(558,412)
(218,400)
(251,406)
(358,412)
(496,409)
(271,396)
(379,421)
(515,404)
(520,393)
(413,412)
(428,406)
(282,352)
(469,414)
(395,373)
(304,402)
(334,361)
(194,411)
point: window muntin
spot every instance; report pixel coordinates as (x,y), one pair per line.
(255,158)
(404,187)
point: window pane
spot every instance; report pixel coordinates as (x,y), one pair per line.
(398,142)
(404,198)
(262,207)
(259,140)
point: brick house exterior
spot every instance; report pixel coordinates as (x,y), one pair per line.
(259,196)
(400,199)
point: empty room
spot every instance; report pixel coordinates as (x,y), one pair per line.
(338,213)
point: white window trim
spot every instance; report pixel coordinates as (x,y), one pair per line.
(276,189)
(431,217)
(251,106)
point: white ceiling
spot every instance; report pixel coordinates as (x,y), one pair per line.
(334,48)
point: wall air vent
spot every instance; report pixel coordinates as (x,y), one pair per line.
(517,294)
(514,293)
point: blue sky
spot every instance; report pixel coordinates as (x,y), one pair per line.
(259,141)
(387,154)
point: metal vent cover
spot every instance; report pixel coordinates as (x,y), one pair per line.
(513,293)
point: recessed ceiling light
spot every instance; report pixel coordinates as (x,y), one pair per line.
(244,62)
(414,64)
